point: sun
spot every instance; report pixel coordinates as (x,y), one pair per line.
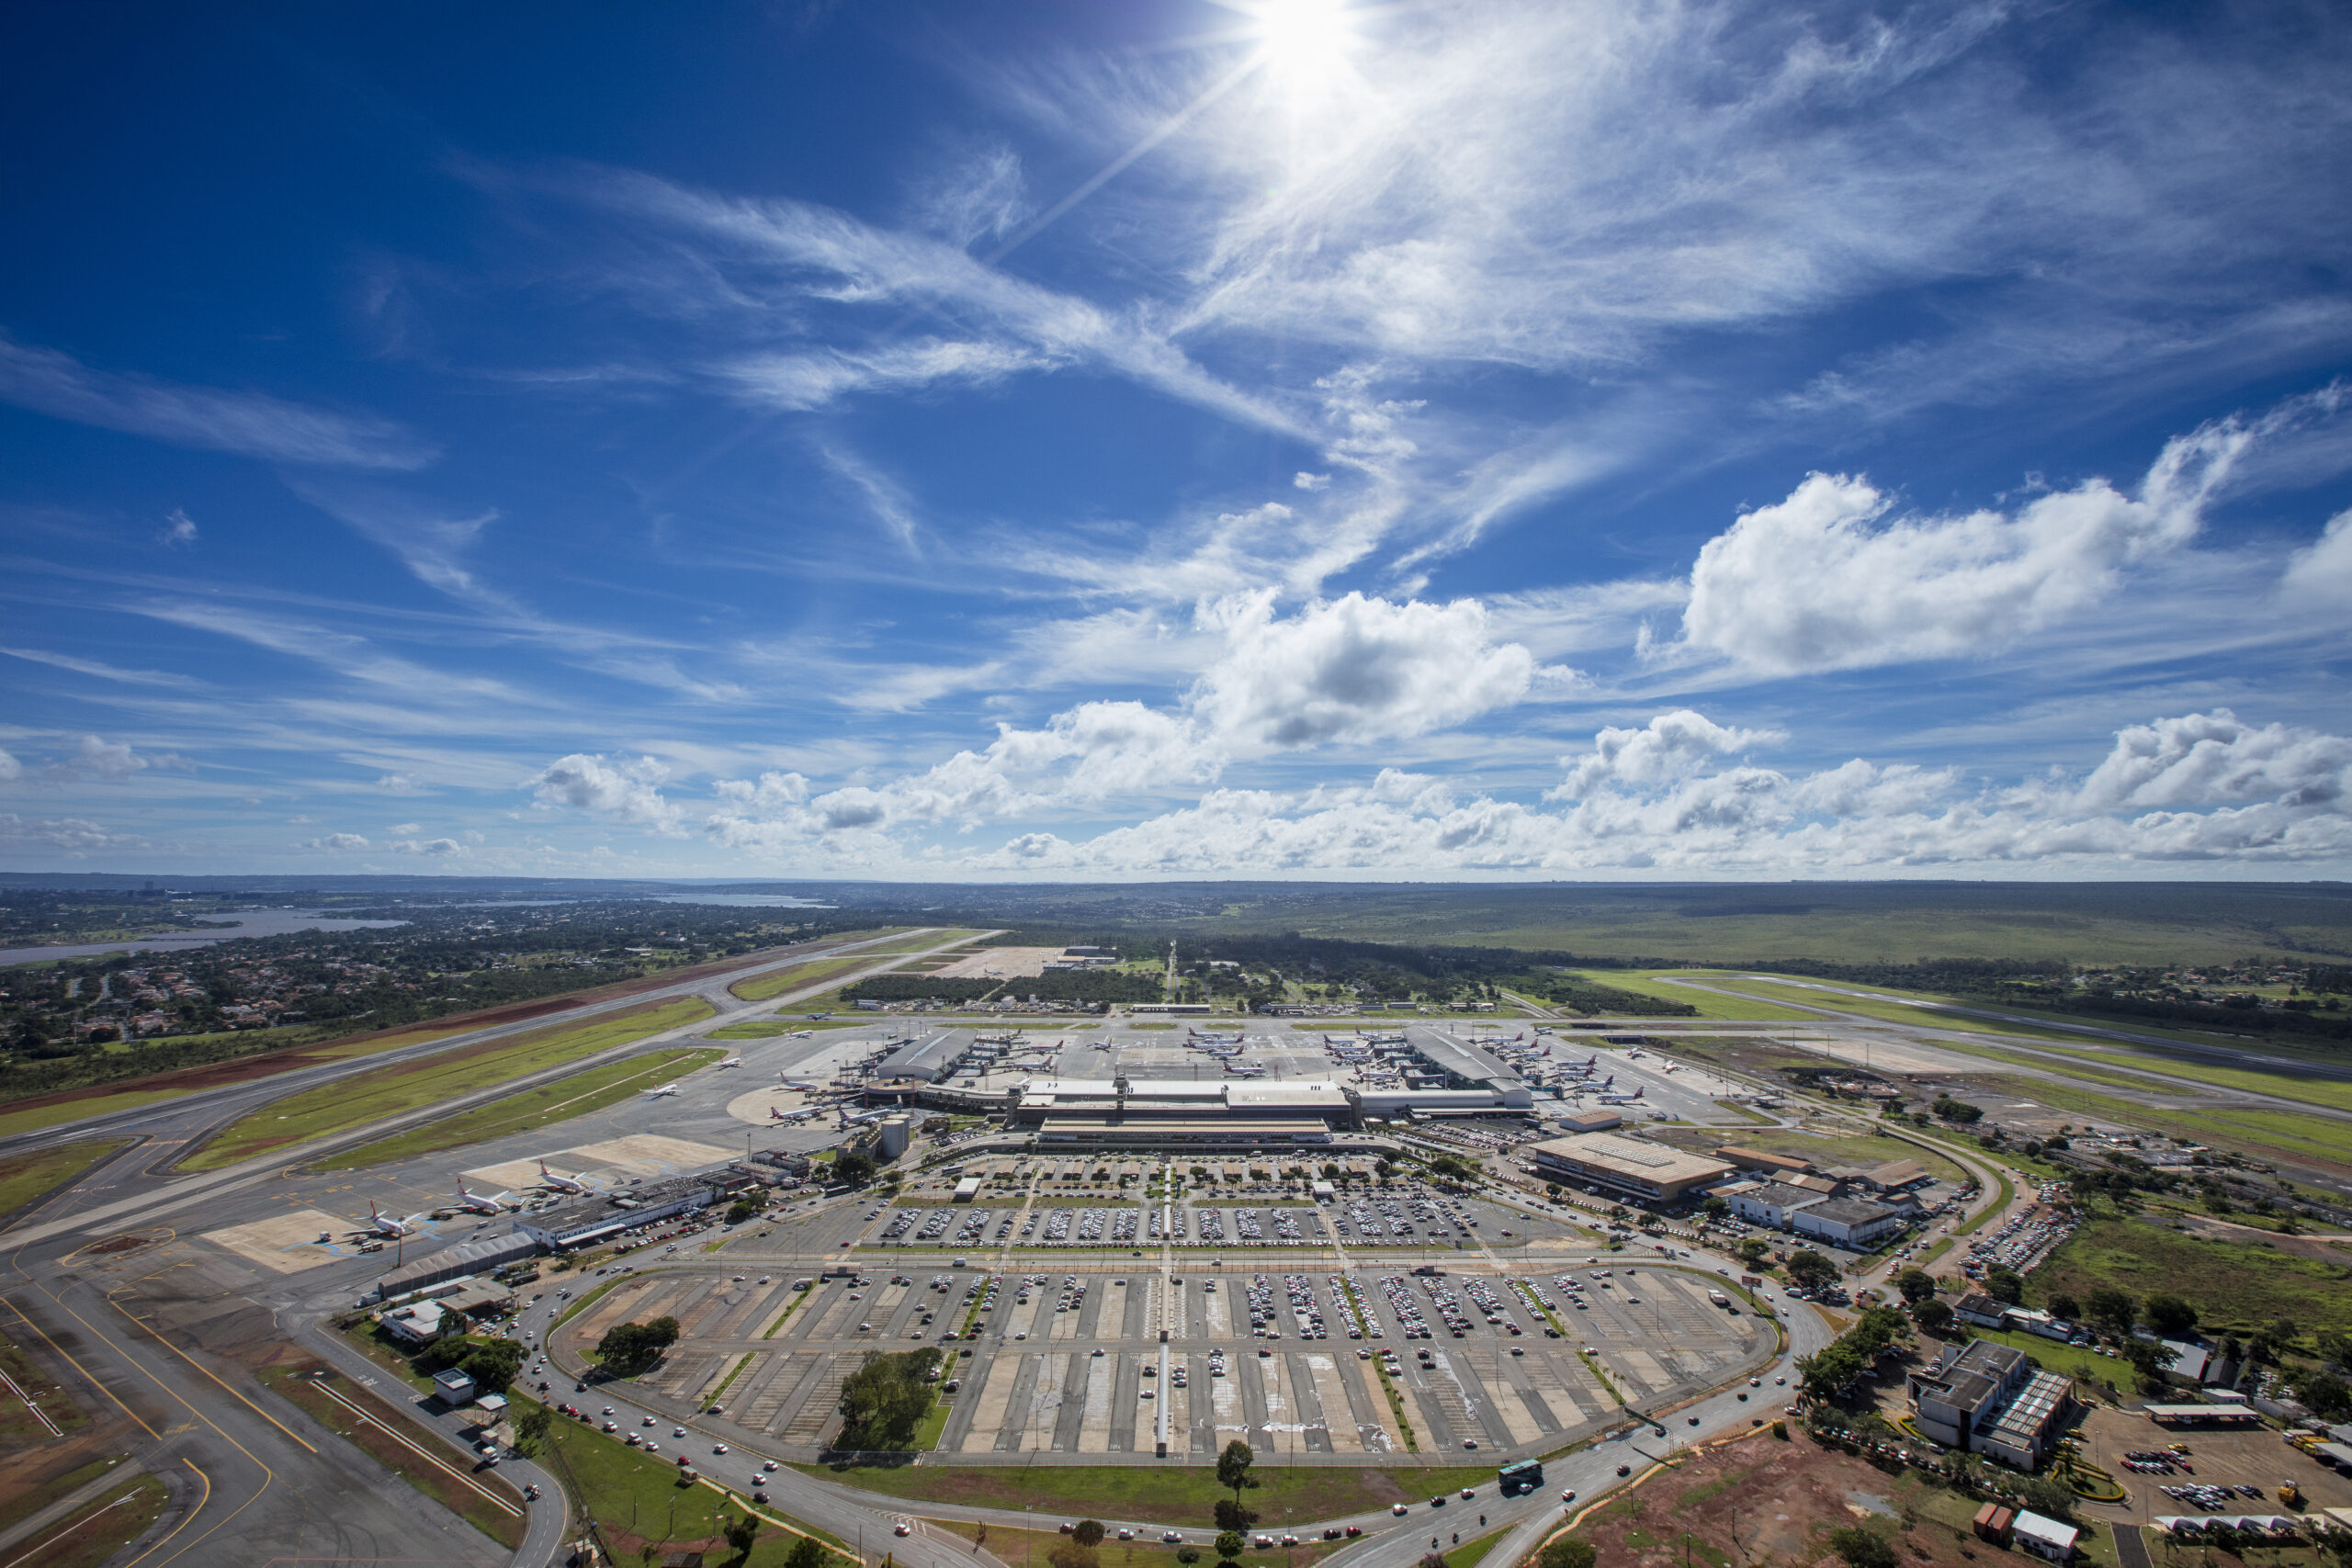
(1303,43)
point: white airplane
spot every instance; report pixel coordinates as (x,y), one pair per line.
(1621,1098)
(732,1062)
(859,1120)
(384,1224)
(478,1204)
(1245,1072)
(560,1183)
(775,1114)
(661,1089)
(803,1084)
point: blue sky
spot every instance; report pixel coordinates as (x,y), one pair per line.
(1076,441)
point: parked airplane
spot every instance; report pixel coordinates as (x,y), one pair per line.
(1240,1072)
(661,1089)
(801,1084)
(864,1117)
(560,1183)
(732,1062)
(774,1115)
(481,1204)
(384,1224)
(1621,1098)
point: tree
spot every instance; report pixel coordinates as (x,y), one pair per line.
(1230,1543)
(742,1535)
(1860,1548)
(2004,1287)
(1917,1285)
(1932,1315)
(2063,1305)
(1568,1553)
(491,1363)
(2325,1393)
(853,1168)
(1753,1249)
(1233,1469)
(1070,1554)
(741,1210)
(1714,1208)
(531,1429)
(629,1348)
(2110,1309)
(1088,1532)
(807,1551)
(2048,1495)
(1232,1516)
(2149,1362)
(2168,1315)
(1809,1268)
(2334,1345)
(885,1398)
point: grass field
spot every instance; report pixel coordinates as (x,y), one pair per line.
(1186,1497)
(2229,1283)
(760,988)
(30,1497)
(558,1102)
(637,1501)
(410,1086)
(41,1116)
(97,1532)
(1028,1548)
(18,1424)
(24,1178)
(2264,1134)
(1707,1002)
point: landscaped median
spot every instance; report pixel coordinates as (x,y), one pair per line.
(1183,1496)
(430,1080)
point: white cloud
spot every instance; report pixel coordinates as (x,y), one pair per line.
(11,770)
(427,847)
(404,828)
(2320,573)
(399,783)
(2272,795)
(179,528)
(815,378)
(337,843)
(245,422)
(1826,580)
(624,790)
(1305,480)
(1351,670)
(1671,746)
(2212,759)
(76,834)
(102,671)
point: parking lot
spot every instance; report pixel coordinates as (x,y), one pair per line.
(1294,1362)
(2216,1457)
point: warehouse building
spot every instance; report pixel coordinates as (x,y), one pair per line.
(1846,1222)
(453,1263)
(1633,1167)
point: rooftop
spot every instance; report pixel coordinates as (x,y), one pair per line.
(1633,1156)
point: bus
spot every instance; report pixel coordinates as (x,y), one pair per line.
(1524,1476)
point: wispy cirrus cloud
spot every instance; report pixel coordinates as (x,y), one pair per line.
(252,424)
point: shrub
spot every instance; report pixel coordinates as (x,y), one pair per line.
(1860,1548)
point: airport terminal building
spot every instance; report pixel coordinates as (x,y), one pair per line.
(1634,1167)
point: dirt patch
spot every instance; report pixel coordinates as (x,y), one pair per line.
(1758,1500)
(114,1244)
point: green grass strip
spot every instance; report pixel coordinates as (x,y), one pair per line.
(25,1178)
(550,1102)
(430,1080)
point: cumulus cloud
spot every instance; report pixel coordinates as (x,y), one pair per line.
(2222,791)
(399,783)
(1670,746)
(623,790)
(426,847)
(337,843)
(11,770)
(1352,670)
(2213,759)
(246,423)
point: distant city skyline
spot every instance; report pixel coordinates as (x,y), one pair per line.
(956,442)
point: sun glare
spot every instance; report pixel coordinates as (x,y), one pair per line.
(1302,41)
